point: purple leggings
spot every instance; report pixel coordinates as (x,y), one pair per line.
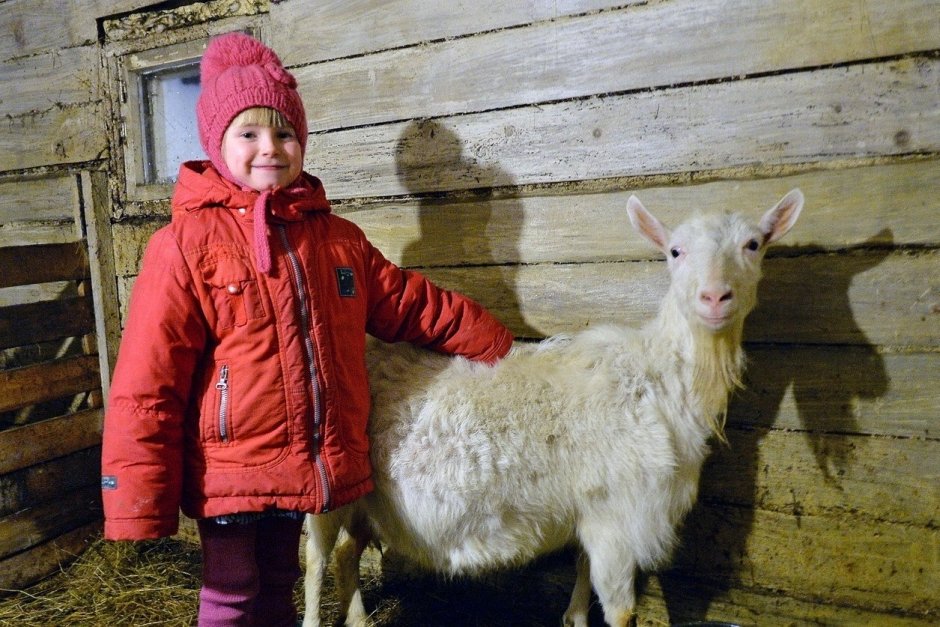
(248,573)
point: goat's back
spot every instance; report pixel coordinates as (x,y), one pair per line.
(481,466)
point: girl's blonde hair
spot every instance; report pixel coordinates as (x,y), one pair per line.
(262,116)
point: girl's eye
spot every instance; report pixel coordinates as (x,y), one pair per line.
(753,245)
(248,135)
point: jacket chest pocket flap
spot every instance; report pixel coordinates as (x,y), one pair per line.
(234,290)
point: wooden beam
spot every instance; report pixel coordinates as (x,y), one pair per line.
(41,441)
(852,474)
(47,381)
(46,320)
(846,560)
(879,205)
(96,212)
(797,118)
(628,49)
(56,136)
(21,570)
(46,481)
(50,199)
(40,523)
(304,32)
(674,598)
(24,265)
(870,297)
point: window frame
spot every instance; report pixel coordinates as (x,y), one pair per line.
(134,67)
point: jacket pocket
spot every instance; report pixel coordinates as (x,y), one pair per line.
(234,290)
(217,422)
(225,406)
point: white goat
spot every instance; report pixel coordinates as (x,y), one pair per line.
(596,439)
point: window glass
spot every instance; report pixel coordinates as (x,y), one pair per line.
(170,136)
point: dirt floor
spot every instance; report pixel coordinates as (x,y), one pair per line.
(157,583)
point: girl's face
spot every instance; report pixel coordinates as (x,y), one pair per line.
(262,157)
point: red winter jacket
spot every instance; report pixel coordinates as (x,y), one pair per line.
(237,391)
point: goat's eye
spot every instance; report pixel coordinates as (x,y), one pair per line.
(753,245)
(675,252)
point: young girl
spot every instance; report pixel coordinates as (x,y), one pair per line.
(240,394)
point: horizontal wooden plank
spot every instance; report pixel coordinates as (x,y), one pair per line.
(840,561)
(870,298)
(40,523)
(53,290)
(894,480)
(24,265)
(802,117)
(877,205)
(46,481)
(53,198)
(654,45)
(41,441)
(877,298)
(303,32)
(537,594)
(49,80)
(26,386)
(21,570)
(673,599)
(56,136)
(35,25)
(41,352)
(44,321)
(839,389)
(26,232)
(865,298)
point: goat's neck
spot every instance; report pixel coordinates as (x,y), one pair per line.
(711,363)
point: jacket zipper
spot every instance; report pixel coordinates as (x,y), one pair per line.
(310,356)
(222,387)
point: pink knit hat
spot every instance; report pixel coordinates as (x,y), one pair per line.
(239,72)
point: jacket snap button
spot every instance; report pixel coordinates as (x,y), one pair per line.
(233,288)
(241,210)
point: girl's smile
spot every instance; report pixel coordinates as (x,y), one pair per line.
(262,157)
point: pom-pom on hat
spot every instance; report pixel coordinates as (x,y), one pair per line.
(239,72)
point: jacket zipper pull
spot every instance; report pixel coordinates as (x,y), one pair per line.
(222,387)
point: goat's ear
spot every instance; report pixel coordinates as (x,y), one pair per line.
(646,224)
(781,218)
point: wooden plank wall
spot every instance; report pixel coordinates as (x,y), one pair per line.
(50,409)
(494,149)
(56,312)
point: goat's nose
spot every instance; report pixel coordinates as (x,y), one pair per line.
(715,296)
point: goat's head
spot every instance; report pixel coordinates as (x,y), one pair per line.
(715,259)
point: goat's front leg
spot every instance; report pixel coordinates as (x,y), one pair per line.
(348,556)
(613,570)
(322,531)
(577,613)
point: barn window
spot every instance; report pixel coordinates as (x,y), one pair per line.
(159,116)
(168,104)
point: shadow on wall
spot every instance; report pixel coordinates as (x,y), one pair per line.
(826,381)
(429,156)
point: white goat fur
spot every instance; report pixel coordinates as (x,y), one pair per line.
(595,439)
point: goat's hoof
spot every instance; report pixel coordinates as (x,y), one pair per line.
(574,620)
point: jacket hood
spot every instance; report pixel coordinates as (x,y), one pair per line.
(200,186)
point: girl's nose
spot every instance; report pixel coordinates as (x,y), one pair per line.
(269,143)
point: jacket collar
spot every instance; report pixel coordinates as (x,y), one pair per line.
(200,186)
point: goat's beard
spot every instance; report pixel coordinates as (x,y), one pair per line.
(719,363)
